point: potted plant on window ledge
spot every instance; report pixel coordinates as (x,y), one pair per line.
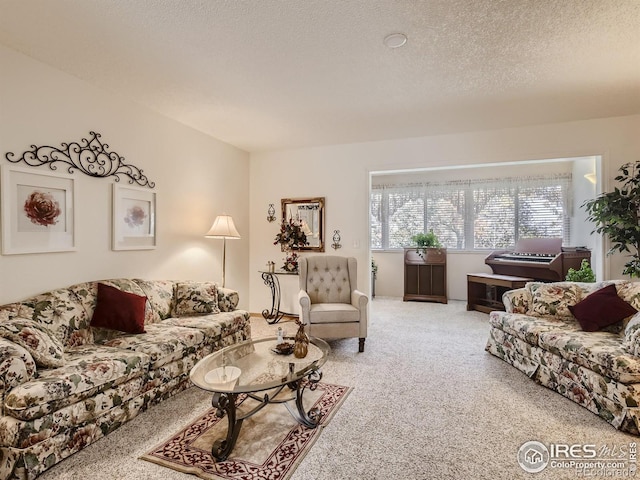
(583,274)
(424,241)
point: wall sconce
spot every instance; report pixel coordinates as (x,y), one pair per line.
(336,240)
(591,177)
(271,214)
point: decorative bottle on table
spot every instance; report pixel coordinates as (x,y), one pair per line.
(301,342)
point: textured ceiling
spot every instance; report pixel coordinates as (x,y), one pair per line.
(271,74)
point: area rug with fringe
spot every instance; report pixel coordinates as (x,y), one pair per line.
(271,443)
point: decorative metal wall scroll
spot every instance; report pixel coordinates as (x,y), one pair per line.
(336,240)
(90,156)
(271,213)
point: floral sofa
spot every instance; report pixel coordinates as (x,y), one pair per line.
(580,339)
(65,383)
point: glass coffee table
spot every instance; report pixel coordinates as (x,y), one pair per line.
(256,366)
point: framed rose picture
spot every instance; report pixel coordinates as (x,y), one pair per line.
(38,213)
(134,218)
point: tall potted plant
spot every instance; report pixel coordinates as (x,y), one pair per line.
(616,215)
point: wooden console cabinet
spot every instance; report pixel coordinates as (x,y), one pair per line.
(485,290)
(425,278)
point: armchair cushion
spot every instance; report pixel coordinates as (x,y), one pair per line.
(333,313)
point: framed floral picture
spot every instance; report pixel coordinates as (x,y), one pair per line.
(38,213)
(134,218)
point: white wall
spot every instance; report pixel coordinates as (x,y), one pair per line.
(341,178)
(340,173)
(197,178)
(390,280)
(581,228)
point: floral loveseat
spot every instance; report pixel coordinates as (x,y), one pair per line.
(600,370)
(65,383)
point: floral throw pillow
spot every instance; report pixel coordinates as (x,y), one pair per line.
(630,293)
(553,299)
(45,348)
(196,298)
(517,301)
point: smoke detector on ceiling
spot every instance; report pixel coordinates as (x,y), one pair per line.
(395,40)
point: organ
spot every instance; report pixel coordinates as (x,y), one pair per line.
(544,259)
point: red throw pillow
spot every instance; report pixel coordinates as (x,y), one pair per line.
(118,310)
(600,309)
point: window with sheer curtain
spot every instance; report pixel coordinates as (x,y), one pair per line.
(472,215)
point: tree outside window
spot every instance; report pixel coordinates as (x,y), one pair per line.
(482,215)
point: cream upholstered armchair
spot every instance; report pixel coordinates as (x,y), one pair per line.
(330,304)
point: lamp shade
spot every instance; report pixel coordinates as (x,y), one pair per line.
(223,227)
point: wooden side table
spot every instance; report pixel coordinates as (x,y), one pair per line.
(485,290)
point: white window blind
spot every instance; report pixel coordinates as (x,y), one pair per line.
(376,219)
(406,216)
(494,217)
(478,214)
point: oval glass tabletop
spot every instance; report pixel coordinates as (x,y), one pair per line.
(256,365)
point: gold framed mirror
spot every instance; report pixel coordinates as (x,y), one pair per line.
(310,213)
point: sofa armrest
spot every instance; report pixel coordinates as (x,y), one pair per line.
(227,299)
(631,342)
(517,301)
(16,365)
(305,306)
(359,300)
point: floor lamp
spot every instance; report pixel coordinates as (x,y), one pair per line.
(223,227)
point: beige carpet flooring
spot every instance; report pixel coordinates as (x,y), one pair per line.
(428,403)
